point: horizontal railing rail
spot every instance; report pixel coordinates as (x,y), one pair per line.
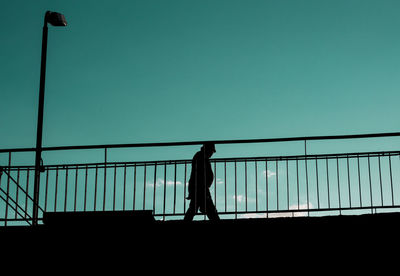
(191,143)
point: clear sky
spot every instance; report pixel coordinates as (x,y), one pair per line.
(154,71)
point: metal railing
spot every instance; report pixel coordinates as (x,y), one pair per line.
(243,187)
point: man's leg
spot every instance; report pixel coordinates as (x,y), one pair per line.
(211,211)
(191,211)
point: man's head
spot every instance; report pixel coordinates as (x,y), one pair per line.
(209,149)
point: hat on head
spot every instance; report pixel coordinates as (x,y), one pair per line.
(209,146)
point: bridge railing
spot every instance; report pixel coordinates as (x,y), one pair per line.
(243,187)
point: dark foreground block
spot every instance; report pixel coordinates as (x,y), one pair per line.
(97,219)
(138,232)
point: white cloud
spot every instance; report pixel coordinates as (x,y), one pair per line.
(239,198)
(253,216)
(160,182)
(171,183)
(282,214)
(300,207)
(269,173)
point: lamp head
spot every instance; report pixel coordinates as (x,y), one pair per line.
(55,19)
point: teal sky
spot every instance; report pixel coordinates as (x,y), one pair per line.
(142,71)
(153,71)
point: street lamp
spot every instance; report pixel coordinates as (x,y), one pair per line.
(55,19)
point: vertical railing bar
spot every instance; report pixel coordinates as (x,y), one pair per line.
(215,183)
(154,188)
(174,187)
(391,178)
(115,185)
(287,185)
(55,192)
(205,184)
(255,166)
(194,167)
(380,178)
(105,180)
(165,188)
(359,179)
(17,192)
(95,189)
(86,178)
(348,180)
(27,192)
(305,161)
(307,186)
(8,188)
(124,191)
(225,183)
(305,147)
(298,184)
(327,182)
(370,182)
(7,193)
(235,190)
(245,183)
(134,188)
(316,174)
(266,187)
(76,187)
(277,184)
(144,187)
(184,187)
(338,181)
(66,189)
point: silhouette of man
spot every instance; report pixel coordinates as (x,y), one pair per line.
(200,181)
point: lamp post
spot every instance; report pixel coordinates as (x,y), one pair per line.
(55,19)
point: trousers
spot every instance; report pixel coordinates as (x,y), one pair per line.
(206,206)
